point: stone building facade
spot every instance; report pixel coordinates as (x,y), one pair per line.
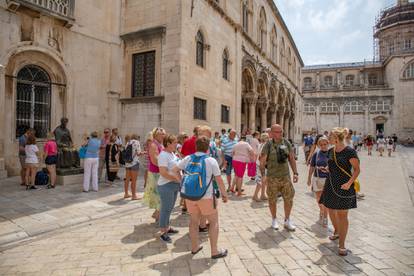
(139,64)
(367,96)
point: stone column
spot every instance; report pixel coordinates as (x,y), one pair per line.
(318,81)
(272,109)
(318,119)
(3,172)
(366,118)
(361,78)
(246,113)
(281,115)
(286,123)
(339,80)
(252,100)
(263,115)
(341,115)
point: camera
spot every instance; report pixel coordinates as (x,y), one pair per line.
(282,154)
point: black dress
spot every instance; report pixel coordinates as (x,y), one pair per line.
(333,197)
(114,148)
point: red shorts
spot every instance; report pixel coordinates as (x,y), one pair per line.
(239,168)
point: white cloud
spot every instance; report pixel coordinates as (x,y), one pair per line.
(322,21)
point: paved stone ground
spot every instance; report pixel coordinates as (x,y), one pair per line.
(121,241)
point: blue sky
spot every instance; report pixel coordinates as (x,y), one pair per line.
(330,31)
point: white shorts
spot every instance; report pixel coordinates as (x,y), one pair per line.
(318,183)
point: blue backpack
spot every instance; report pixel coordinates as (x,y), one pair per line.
(42,178)
(194,185)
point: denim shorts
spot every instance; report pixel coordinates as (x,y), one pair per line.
(51,160)
(133,168)
(229,167)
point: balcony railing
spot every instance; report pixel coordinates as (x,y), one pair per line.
(62,9)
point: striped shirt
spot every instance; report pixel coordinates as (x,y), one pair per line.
(227,146)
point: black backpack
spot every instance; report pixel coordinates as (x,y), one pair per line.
(127,155)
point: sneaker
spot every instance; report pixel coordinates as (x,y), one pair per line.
(165,238)
(33,187)
(275,225)
(172,231)
(289,225)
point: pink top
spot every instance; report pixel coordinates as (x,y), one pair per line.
(241,152)
(50,148)
(151,166)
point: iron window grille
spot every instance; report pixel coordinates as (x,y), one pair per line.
(200,109)
(143,74)
(33,97)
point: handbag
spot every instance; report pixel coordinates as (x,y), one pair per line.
(357,185)
(82,152)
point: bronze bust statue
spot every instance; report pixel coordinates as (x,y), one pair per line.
(68,156)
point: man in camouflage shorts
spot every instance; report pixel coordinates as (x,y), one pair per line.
(277,154)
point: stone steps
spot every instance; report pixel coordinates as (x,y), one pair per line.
(3,172)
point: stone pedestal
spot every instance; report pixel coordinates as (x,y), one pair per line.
(69,176)
(3,172)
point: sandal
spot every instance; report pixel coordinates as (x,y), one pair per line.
(256,199)
(198,250)
(334,237)
(135,198)
(342,251)
(127,196)
(222,253)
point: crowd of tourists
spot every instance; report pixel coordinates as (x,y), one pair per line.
(192,166)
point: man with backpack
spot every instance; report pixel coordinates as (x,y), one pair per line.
(197,188)
(277,154)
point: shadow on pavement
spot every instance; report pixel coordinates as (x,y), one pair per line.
(142,232)
(184,265)
(269,238)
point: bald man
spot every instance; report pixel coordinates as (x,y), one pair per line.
(278,154)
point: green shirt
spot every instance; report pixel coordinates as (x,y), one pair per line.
(274,168)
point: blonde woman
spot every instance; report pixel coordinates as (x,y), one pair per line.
(339,193)
(260,179)
(318,172)
(145,157)
(151,196)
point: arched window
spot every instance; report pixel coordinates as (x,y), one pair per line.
(307,83)
(409,71)
(380,106)
(309,108)
(262,29)
(282,55)
(33,94)
(200,49)
(294,69)
(274,45)
(226,64)
(354,106)
(328,81)
(289,61)
(349,80)
(329,108)
(372,79)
